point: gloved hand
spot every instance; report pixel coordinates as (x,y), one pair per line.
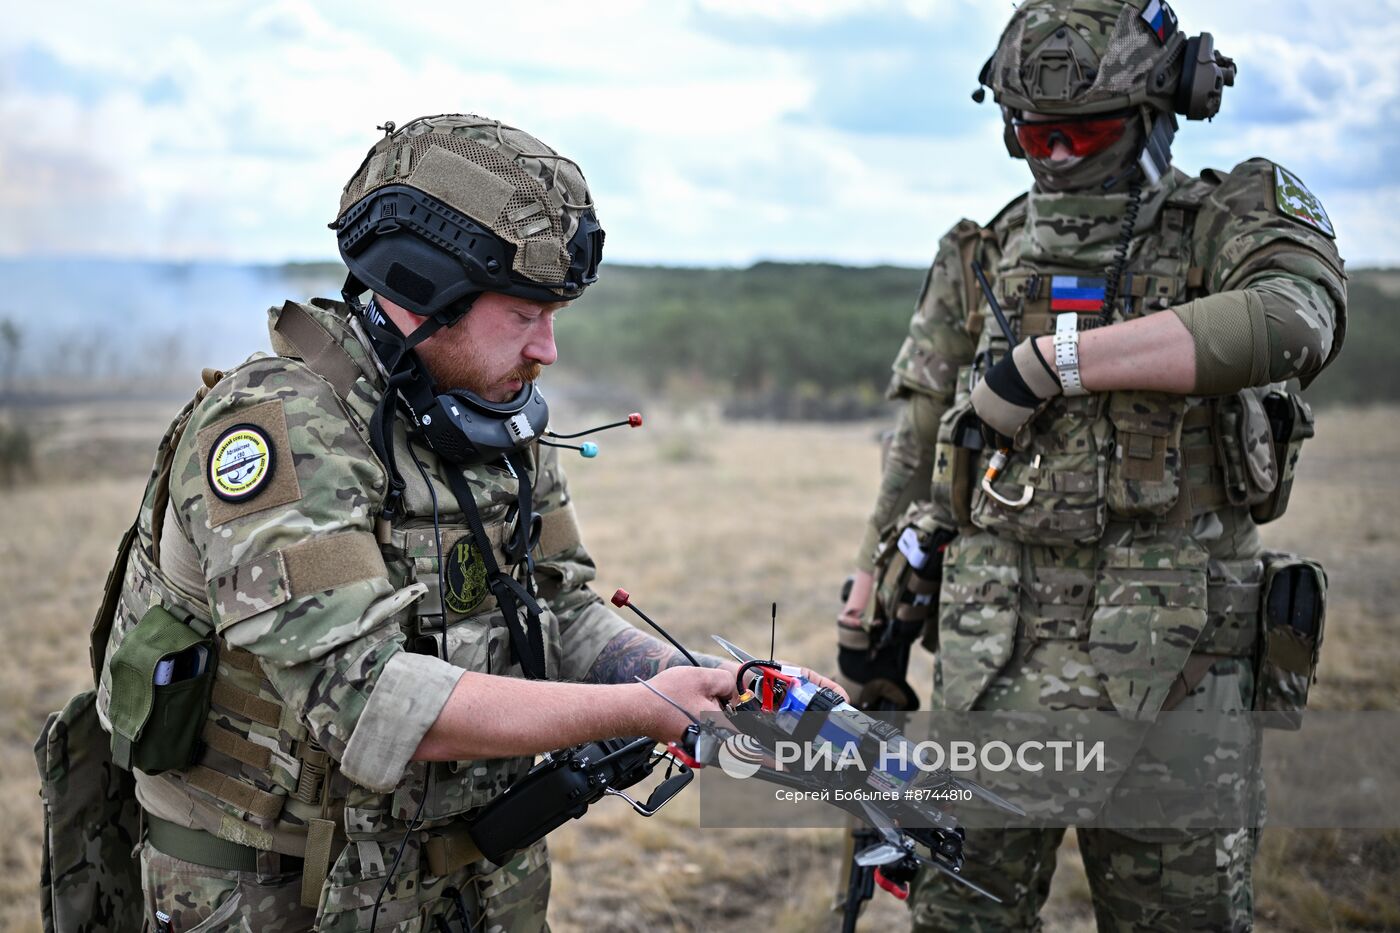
(855,656)
(879,676)
(853,652)
(1013,392)
(860,666)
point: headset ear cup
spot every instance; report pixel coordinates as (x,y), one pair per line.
(1204,75)
(452,446)
(1183,102)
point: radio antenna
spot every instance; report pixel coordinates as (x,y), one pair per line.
(773,635)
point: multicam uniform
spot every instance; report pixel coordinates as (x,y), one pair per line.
(321,615)
(1132,580)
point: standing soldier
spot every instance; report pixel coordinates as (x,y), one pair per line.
(355,604)
(1111,559)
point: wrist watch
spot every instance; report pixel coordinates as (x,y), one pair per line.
(1067,353)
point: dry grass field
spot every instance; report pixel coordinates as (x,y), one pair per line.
(706,524)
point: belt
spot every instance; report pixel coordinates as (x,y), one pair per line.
(207,849)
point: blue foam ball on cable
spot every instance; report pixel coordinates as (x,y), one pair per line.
(588,449)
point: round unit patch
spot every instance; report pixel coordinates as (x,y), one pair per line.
(465,577)
(240,463)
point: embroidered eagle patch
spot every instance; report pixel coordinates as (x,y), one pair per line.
(1293,199)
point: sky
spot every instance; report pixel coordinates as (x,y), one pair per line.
(712,132)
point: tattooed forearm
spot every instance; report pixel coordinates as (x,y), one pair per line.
(631,655)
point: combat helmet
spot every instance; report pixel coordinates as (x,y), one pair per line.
(450,206)
(1080,58)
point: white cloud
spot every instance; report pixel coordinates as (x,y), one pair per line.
(705,127)
(807,11)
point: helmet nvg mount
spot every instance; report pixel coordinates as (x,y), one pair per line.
(1077,58)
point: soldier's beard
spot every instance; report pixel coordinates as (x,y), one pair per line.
(469,371)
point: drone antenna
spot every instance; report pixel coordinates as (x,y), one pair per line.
(623,598)
(773,635)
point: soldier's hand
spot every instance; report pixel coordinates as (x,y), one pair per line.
(852,639)
(826,682)
(862,584)
(698,690)
(1013,392)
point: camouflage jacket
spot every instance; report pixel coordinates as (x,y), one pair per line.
(1109,469)
(317,602)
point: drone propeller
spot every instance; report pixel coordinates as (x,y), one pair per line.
(897,846)
(882,853)
(955,875)
(994,799)
(883,823)
(737,653)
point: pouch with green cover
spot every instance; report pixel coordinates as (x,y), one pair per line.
(156,727)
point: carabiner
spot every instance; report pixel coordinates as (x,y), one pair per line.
(994,470)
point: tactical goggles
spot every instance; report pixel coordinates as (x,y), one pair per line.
(1082,136)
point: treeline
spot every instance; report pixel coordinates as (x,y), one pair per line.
(775,339)
(817,340)
(1365,371)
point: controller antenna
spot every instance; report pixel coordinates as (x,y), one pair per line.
(623,598)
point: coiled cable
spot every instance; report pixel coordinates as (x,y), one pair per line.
(1120,255)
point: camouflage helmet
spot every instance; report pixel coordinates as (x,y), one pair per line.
(449,206)
(1081,57)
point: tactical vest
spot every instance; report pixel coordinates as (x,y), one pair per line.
(1102,552)
(260,782)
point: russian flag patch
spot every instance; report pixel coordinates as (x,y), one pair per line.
(1076,293)
(1161,19)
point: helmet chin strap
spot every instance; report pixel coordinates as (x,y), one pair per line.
(406,374)
(389,342)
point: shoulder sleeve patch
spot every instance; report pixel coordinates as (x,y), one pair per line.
(248,463)
(1292,199)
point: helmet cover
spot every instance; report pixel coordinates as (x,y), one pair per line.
(1080,57)
(489,207)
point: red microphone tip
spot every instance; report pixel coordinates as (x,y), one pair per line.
(634,420)
(620,598)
